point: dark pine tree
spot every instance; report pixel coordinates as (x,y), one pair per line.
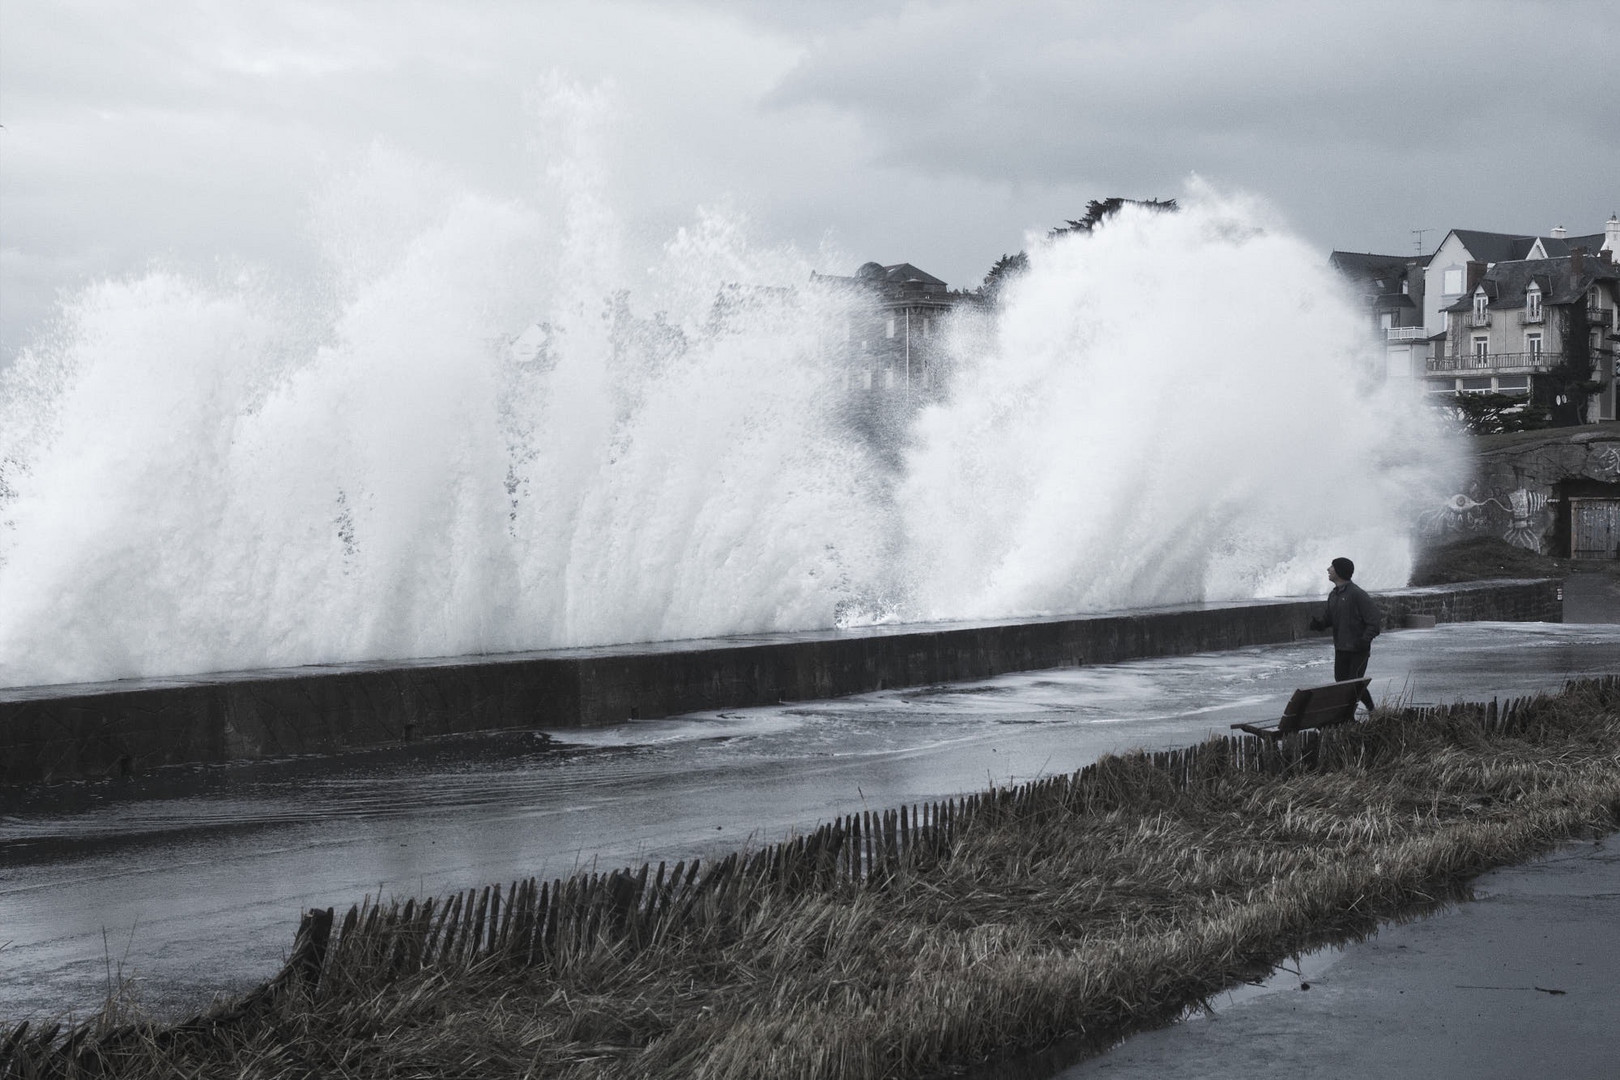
(1005,269)
(1100,210)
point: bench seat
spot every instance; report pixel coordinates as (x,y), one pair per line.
(1313,707)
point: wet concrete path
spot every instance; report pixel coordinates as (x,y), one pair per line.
(192,884)
(1519,982)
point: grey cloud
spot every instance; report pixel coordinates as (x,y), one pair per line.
(1043,90)
(931,132)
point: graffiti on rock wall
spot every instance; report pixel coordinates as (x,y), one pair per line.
(1522,520)
(1608,462)
(1460,515)
(1528,518)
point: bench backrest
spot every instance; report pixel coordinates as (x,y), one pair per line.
(1320,706)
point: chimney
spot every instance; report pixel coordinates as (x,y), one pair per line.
(1559,232)
(1476,271)
(1577,262)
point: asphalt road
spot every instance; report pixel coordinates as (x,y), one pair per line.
(192,884)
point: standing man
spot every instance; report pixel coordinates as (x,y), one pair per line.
(1354,620)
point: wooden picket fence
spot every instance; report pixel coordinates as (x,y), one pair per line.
(560,922)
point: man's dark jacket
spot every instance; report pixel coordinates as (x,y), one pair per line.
(1351,615)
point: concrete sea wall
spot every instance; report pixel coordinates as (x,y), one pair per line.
(95,730)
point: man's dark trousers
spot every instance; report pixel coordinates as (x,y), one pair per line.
(1352,664)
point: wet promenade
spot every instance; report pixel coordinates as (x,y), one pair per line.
(1519,982)
(194,885)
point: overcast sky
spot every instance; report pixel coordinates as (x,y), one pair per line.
(934,133)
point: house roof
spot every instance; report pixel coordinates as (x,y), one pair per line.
(1554,246)
(1514,247)
(897,275)
(1366,264)
(1381,277)
(1497,247)
(901,273)
(1506,283)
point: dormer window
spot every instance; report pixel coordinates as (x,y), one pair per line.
(1481,317)
(1532,304)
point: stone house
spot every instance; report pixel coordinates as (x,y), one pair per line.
(1391,287)
(1446,272)
(1544,328)
(892,327)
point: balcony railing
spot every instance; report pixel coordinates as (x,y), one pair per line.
(1528,318)
(1513,363)
(1479,318)
(1405,333)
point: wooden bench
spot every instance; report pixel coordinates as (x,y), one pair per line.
(1314,707)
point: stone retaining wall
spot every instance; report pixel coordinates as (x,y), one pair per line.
(1522,483)
(96,730)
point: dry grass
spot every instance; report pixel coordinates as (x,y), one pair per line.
(1092,904)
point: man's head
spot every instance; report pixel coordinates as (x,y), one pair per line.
(1341,570)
